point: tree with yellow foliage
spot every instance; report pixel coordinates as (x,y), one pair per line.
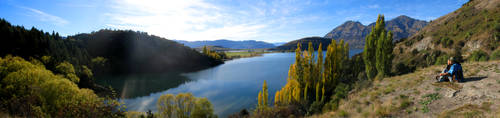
(184,105)
(263,98)
(310,78)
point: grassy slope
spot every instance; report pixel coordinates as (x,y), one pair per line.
(417,95)
(474,26)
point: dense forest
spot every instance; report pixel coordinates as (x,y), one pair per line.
(138,52)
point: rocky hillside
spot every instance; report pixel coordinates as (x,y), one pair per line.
(473,29)
(417,95)
(249,44)
(354,32)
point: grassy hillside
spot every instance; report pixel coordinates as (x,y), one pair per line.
(471,32)
(417,95)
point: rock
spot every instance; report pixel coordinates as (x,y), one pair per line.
(452,93)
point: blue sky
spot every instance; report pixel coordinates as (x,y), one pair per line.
(264,20)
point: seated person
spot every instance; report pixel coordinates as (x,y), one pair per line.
(453,71)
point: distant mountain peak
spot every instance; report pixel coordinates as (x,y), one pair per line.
(403,17)
(352,23)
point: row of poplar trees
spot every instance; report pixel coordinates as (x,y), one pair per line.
(313,79)
(309,78)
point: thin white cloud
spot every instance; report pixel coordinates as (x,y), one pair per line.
(185,19)
(42,16)
(200,20)
(375,6)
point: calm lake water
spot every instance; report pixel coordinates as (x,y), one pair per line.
(230,87)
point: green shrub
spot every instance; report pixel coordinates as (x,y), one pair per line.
(405,102)
(343,114)
(478,55)
(414,52)
(495,55)
(65,68)
(443,59)
(315,107)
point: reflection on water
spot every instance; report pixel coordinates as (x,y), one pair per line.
(131,86)
(230,87)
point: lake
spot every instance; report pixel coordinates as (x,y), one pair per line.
(230,87)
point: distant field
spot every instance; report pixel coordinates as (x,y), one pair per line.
(243,54)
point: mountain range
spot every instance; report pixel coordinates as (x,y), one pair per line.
(248,44)
(354,33)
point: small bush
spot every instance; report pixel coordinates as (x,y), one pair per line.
(383,111)
(445,42)
(478,56)
(343,113)
(443,59)
(315,107)
(414,52)
(405,102)
(495,55)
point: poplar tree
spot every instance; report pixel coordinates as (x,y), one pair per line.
(263,98)
(377,54)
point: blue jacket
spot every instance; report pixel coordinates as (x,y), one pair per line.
(456,69)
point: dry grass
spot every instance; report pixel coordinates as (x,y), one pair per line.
(385,109)
(467,111)
(453,86)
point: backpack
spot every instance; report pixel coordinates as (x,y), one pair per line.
(459,75)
